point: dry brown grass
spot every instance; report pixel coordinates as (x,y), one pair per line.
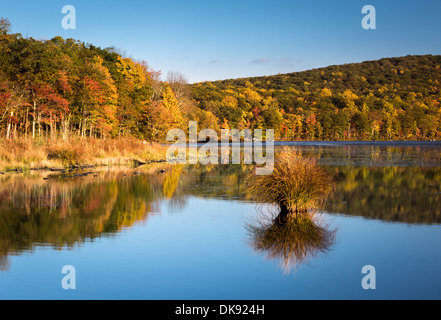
(297,185)
(30,154)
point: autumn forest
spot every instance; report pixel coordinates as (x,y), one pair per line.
(61,88)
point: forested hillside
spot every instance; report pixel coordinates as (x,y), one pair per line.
(394,98)
(62,88)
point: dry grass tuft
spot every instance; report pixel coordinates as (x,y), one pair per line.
(68,154)
(297,185)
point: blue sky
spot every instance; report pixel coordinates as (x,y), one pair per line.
(212,40)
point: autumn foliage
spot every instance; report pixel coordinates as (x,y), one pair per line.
(387,99)
(65,88)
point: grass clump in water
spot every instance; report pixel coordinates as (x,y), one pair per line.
(298,186)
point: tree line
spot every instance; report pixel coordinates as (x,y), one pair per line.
(388,99)
(60,88)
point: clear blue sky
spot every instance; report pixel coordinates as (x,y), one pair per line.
(212,40)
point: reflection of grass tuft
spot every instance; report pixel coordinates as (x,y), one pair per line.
(292,242)
(297,185)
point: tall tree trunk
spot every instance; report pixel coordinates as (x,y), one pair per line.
(51,133)
(65,127)
(8,131)
(27,122)
(33,119)
(83,124)
(39,124)
(15,131)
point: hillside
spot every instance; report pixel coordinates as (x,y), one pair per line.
(63,88)
(392,98)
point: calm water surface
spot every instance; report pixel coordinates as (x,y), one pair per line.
(183,234)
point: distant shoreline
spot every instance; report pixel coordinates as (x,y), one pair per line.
(25,155)
(329,143)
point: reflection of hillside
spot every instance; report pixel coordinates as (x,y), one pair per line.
(401,194)
(373,155)
(62,212)
(411,195)
(224,182)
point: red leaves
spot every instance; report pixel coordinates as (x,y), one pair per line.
(50,102)
(5,95)
(63,82)
(256,112)
(92,85)
(311,120)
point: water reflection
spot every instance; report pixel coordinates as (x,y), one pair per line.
(292,242)
(395,194)
(372,154)
(63,211)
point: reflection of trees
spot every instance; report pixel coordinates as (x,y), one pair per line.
(291,242)
(400,194)
(216,181)
(373,155)
(63,212)
(171,181)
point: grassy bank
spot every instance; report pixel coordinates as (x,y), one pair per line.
(26,154)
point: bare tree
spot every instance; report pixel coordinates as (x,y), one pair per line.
(157,85)
(5,26)
(179,84)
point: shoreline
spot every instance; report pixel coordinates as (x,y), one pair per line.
(57,155)
(73,153)
(134,164)
(318,143)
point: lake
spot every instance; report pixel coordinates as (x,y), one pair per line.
(139,233)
